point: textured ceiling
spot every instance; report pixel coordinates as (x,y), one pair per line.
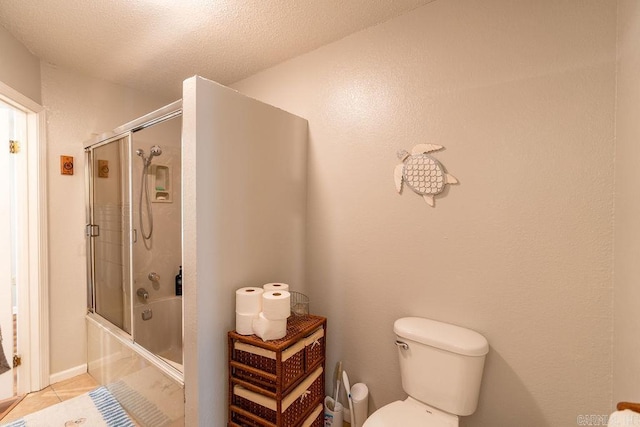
(153,45)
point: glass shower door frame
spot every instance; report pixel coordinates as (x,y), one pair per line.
(93,230)
(127,130)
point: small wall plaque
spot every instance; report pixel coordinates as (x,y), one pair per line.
(103,168)
(66,165)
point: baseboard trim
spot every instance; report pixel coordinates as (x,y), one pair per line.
(69,373)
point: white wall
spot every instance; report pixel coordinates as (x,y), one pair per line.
(521,94)
(244,198)
(626,364)
(18,67)
(77,107)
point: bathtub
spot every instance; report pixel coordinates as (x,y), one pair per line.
(158,328)
(149,386)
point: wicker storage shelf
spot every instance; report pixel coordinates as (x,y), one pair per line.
(278,383)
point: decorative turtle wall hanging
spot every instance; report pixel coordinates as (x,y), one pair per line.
(422,173)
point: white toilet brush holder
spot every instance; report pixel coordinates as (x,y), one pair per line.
(333,413)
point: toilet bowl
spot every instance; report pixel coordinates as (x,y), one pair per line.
(441,367)
(410,413)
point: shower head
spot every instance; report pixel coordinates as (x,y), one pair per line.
(155,151)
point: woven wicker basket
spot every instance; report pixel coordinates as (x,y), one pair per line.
(276,366)
(316,419)
(314,349)
(249,406)
(293,365)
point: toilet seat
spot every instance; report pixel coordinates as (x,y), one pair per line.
(410,413)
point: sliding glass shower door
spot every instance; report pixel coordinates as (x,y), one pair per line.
(109,210)
(134,231)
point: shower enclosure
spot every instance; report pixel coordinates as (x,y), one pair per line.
(226,192)
(134,235)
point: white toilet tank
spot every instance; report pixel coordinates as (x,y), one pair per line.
(441,364)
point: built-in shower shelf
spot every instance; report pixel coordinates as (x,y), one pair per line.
(161,184)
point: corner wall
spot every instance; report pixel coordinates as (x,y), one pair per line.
(78,107)
(626,348)
(244,197)
(521,94)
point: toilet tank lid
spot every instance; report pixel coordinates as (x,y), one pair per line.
(445,336)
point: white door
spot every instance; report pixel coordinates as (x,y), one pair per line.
(12,127)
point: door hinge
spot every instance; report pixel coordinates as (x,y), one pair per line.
(14,147)
(17,360)
(92,230)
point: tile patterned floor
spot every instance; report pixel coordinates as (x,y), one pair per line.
(51,395)
(57,393)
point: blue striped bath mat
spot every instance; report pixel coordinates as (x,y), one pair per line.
(97,408)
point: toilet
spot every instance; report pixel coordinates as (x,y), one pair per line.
(441,368)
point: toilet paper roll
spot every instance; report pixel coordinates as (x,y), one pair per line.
(622,418)
(275,287)
(249,300)
(276,305)
(269,329)
(244,323)
(360,401)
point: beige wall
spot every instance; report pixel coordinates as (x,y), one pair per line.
(521,94)
(18,67)
(77,106)
(626,364)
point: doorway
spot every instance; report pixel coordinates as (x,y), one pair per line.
(13,128)
(23,246)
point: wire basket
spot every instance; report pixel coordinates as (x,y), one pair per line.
(299,304)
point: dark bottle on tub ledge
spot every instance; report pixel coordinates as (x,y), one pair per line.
(179,282)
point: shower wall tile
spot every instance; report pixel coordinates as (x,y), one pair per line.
(165,256)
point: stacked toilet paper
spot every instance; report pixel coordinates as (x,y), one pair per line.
(263,312)
(275,287)
(248,307)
